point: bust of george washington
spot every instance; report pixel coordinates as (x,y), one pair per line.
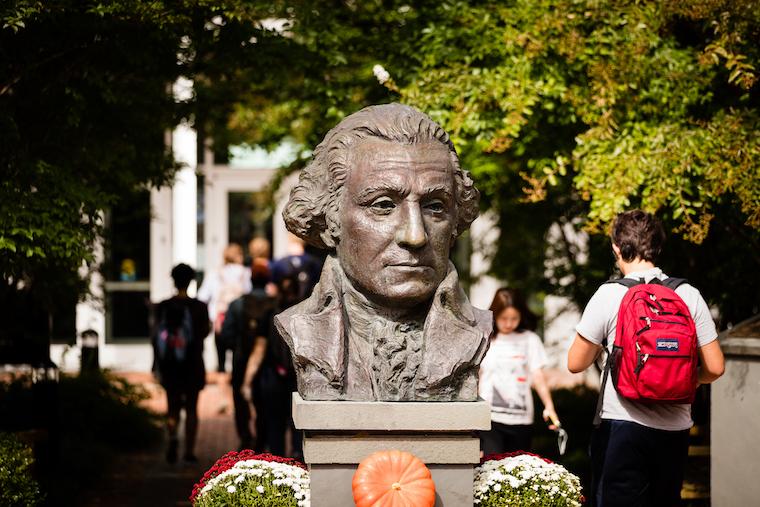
(385,194)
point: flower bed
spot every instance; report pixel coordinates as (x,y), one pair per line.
(247,479)
(521,480)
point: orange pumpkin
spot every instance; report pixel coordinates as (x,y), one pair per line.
(393,479)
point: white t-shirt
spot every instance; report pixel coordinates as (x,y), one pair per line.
(599,321)
(505,376)
(232,274)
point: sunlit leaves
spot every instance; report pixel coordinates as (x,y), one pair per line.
(638,85)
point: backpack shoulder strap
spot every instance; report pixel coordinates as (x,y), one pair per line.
(600,399)
(674,283)
(626,282)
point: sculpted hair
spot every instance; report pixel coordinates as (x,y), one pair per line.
(312,211)
(638,234)
(512,298)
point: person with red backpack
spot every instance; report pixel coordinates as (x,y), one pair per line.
(660,343)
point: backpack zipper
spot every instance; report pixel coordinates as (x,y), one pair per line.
(650,320)
(640,359)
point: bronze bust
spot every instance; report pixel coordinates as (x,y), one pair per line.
(388,320)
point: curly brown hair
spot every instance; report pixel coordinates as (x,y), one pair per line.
(638,235)
(312,210)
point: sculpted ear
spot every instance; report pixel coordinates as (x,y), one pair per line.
(327,239)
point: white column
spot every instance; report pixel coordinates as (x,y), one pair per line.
(279,232)
(215,229)
(184,193)
(161,244)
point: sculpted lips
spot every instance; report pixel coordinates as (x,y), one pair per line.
(408,266)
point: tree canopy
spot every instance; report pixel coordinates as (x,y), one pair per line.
(565,111)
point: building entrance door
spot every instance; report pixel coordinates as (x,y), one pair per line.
(233,208)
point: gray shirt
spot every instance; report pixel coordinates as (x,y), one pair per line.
(599,321)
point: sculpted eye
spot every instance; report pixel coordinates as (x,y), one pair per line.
(435,206)
(382,206)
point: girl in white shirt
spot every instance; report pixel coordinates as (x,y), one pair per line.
(514,361)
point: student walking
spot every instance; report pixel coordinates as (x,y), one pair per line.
(514,362)
(654,328)
(247,328)
(181,324)
(219,289)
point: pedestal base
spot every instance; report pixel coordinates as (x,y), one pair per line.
(338,435)
(331,485)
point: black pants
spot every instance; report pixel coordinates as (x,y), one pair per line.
(221,354)
(637,466)
(179,399)
(242,408)
(503,438)
(272,400)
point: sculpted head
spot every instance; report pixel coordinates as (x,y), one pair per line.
(385,191)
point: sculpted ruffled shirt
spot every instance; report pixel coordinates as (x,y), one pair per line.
(343,349)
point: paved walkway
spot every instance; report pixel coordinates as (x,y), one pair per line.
(145,479)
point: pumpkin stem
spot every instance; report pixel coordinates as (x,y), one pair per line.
(396,486)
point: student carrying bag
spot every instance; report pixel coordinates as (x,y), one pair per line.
(654,356)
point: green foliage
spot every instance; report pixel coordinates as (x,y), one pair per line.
(246,495)
(570,111)
(85,103)
(17,486)
(565,111)
(86,420)
(83,109)
(105,407)
(649,104)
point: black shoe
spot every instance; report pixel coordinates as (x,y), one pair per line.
(190,458)
(171,452)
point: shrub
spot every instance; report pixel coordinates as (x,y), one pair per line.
(17,486)
(83,422)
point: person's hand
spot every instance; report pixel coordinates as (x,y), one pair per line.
(550,416)
(247,393)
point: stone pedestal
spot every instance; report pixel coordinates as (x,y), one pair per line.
(340,434)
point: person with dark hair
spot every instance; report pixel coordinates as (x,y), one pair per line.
(639,447)
(246,329)
(637,234)
(181,324)
(514,361)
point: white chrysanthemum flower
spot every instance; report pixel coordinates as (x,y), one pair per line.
(511,480)
(231,489)
(380,73)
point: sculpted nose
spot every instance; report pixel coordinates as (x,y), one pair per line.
(411,233)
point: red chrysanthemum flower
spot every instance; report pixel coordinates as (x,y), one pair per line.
(496,457)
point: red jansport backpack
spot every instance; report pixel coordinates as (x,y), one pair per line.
(654,357)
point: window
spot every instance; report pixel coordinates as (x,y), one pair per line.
(127,269)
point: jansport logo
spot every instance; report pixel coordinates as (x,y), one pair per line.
(669,344)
